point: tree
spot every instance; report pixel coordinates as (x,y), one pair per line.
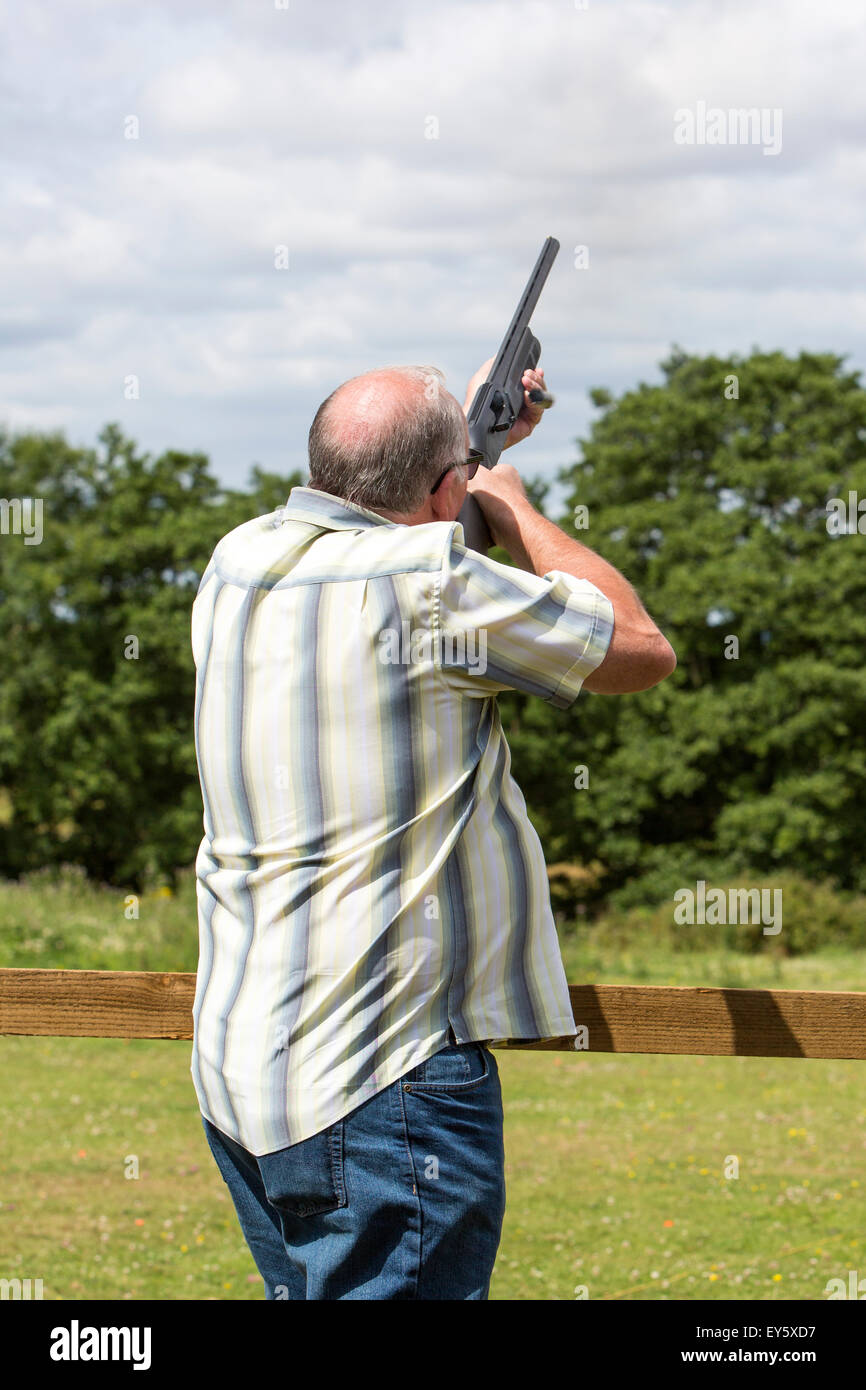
(97,760)
(711,492)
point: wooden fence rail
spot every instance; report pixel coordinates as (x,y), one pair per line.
(617,1018)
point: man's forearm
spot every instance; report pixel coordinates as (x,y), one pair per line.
(539,545)
(639,655)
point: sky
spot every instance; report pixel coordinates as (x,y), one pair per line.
(215,211)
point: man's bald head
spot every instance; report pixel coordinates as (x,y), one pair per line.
(383,438)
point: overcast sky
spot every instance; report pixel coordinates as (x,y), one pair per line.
(306,125)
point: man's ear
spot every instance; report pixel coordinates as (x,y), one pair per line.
(448,497)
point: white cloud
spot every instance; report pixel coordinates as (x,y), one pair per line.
(306,128)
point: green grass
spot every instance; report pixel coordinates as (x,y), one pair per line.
(615,1164)
(833,968)
(63,921)
(616,1177)
(602,1152)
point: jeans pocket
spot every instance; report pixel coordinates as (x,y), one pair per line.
(307,1179)
(454,1069)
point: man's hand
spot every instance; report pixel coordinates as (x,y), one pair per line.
(501,495)
(529,415)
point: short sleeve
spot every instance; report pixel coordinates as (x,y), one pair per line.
(501,628)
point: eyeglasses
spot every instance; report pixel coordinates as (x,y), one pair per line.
(470,464)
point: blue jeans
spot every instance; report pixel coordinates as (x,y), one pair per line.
(403,1198)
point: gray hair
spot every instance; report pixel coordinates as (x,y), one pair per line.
(395,464)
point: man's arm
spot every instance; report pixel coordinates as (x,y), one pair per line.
(639,655)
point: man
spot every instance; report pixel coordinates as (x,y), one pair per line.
(373,901)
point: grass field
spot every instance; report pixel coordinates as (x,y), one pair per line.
(616,1165)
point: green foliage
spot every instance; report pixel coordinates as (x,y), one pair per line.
(813,916)
(711,500)
(97,761)
(56,918)
(716,510)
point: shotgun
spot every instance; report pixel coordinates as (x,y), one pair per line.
(498,402)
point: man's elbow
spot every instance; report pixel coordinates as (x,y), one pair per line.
(640,668)
(661,662)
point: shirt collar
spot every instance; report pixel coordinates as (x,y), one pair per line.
(333,513)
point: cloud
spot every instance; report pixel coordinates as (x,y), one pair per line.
(307,128)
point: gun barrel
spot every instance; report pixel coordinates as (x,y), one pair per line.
(499,399)
(528,301)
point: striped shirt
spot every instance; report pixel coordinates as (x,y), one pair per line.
(369,884)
